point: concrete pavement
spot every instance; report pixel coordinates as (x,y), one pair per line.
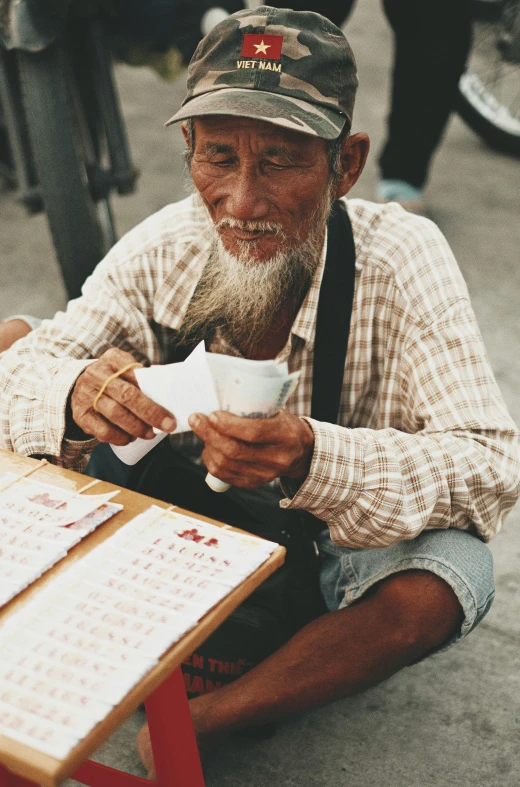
(455,718)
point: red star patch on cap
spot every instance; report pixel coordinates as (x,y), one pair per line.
(262,46)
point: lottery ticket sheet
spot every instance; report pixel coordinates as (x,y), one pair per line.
(74,651)
(39,523)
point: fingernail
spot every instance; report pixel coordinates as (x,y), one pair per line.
(213,418)
(149,434)
(194,421)
(168,424)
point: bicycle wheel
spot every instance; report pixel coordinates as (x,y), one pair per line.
(81,232)
(489,90)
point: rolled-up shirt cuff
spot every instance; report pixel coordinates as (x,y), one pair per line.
(54,409)
(76,453)
(334,480)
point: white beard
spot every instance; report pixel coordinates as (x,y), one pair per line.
(244,297)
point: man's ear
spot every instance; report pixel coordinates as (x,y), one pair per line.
(186,134)
(354,152)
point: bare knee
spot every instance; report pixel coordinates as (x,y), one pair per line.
(421,610)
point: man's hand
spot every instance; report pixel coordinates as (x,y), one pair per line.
(249,452)
(11,331)
(123,411)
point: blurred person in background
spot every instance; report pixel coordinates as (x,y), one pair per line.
(431,45)
(165,33)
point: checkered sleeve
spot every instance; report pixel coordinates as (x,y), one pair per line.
(455,463)
(39,371)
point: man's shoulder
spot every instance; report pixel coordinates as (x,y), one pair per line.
(380,229)
(407,256)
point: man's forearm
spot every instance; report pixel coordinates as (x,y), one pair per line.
(33,405)
(375,487)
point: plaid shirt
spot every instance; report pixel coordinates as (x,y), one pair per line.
(424,438)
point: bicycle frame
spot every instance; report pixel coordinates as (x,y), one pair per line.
(18,167)
(26,25)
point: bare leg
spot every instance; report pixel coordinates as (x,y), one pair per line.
(336,656)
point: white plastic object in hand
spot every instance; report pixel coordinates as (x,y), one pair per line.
(216,484)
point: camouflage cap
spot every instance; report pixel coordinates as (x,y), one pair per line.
(291,68)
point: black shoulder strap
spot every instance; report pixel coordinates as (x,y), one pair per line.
(333,318)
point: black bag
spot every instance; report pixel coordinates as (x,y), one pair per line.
(291,597)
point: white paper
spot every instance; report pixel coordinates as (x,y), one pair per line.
(15,677)
(52,711)
(206,382)
(93,520)
(33,529)
(39,733)
(251,389)
(131,454)
(78,647)
(182,388)
(28,503)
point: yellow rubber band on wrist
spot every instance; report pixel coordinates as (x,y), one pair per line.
(109,380)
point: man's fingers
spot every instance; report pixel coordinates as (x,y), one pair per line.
(127,394)
(122,412)
(120,416)
(241,464)
(124,389)
(259,452)
(250,430)
(200,425)
(238,453)
(102,430)
(265,431)
(117,359)
(233,473)
(233,448)
(145,409)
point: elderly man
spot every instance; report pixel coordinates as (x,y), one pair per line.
(421,467)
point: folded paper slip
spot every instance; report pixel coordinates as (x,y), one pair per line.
(15,677)
(182,388)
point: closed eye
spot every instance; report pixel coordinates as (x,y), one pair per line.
(277,165)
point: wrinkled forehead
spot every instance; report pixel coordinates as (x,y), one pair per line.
(234,132)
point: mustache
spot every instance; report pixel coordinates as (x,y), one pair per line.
(271,227)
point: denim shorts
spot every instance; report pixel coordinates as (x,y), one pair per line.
(458,557)
(461,559)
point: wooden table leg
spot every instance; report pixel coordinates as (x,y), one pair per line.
(174,747)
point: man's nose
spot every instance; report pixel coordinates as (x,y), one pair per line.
(247,199)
